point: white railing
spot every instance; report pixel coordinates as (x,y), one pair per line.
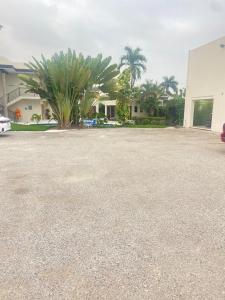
(18,92)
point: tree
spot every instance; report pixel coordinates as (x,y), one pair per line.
(169,83)
(123,96)
(175,110)
(151,93)
(135,62)
(69,82)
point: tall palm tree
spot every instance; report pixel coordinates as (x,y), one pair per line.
(151,93)
(169,83)
(135,61)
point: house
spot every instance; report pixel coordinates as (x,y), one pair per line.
(15,102)
(205,96)
(19,105)
(108,107)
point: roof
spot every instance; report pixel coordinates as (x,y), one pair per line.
(10,67)
(220,41)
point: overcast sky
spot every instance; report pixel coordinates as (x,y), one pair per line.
(165,30)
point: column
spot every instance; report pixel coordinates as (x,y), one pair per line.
(97,108)
(4,95)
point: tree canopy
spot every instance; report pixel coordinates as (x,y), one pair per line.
(135,62)
(169,84)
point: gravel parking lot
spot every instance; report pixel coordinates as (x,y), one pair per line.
(112,214)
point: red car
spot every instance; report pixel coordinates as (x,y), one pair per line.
(223,134)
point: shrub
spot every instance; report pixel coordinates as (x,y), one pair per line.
(150,121)
(36,118)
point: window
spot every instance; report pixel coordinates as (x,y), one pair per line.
(29,107)
(141,109)
(135,109)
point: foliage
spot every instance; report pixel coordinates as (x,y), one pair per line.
(36,118)
(169,83)
(175,110)
(150,121)
(86,104)
(146,126)
(135,61)
(69,83)
(151,93)
(63,110)
(123,96)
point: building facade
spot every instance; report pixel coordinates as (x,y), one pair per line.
(205,96)
(15,102)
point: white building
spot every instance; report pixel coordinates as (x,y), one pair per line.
(205,97)
(13,96)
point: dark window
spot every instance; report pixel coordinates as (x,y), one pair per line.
(30,107)
(141,109)
(135,109)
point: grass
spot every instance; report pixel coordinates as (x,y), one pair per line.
(41,127)
(32,127)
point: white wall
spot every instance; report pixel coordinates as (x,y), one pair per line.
(23,107)
(206,80)
(12,82)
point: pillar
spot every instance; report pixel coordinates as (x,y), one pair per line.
(97,108)
(4,95)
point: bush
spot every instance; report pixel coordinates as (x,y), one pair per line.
(100,115)
(36,118)
(150,121)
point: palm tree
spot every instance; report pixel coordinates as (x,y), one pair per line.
(169,83)
(135,61)
(151,93)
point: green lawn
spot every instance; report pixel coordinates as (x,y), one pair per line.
(33,127)
(40,127)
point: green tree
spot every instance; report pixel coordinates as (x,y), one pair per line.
(123,96)
(151,93)
(175,110)
(69,82)
(169,84)
(135,61)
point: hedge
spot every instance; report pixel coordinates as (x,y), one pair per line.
(150,121)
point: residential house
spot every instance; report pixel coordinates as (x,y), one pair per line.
(15,102)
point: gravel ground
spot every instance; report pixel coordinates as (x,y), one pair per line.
(112,214)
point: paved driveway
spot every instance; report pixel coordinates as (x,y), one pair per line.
(112,214)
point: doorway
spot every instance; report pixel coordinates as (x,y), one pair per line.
(111,112)
(203,110)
